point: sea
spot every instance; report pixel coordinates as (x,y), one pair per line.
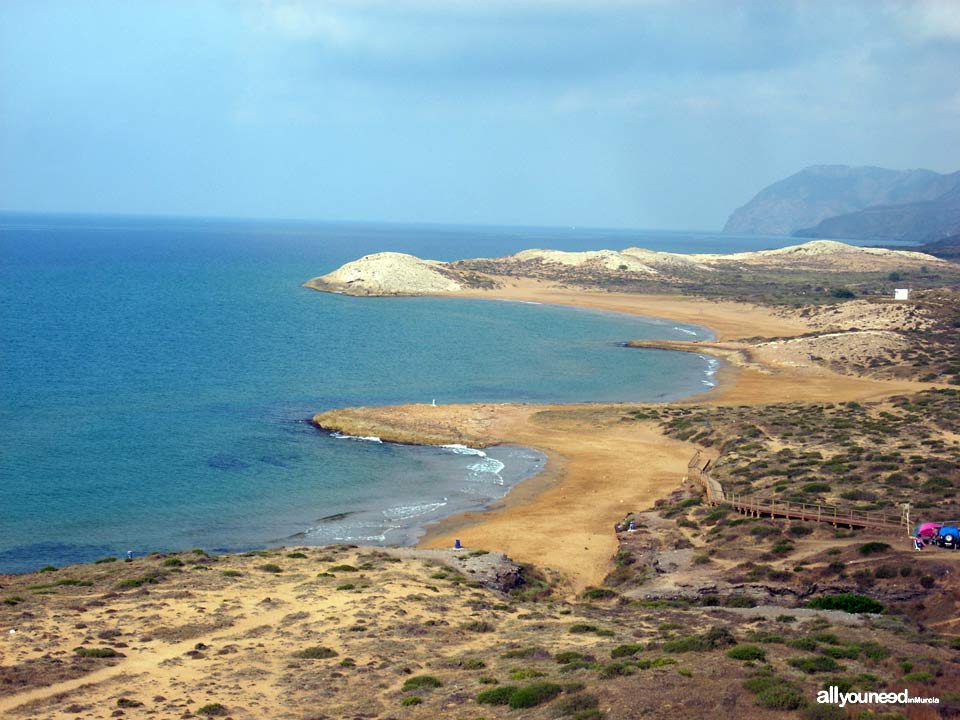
(157,376)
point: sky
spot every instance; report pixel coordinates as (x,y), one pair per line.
(605,113)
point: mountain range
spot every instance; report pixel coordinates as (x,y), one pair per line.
(869,203)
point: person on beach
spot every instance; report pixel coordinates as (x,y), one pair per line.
(917,543)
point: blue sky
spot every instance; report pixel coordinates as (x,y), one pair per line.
(616,113)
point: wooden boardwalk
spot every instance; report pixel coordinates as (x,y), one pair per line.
(760,506)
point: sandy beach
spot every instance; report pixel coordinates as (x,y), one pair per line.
(598,468)
(728,320)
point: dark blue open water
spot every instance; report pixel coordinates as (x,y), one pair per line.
(156,375)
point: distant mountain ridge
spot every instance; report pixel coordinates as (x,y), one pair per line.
(838,201)
(922,222)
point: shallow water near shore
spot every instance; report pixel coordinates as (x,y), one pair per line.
(158,377)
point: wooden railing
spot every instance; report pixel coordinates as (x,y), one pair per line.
(760,506)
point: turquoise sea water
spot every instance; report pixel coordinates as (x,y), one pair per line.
(157,375)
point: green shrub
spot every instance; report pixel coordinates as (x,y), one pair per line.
(918,677)
(231,573)
(625,651)
(747,652)
(104,560)
(525,674)
(524,652)
(316,653)
(885,572)
(48,568)
(847,652)
(775,693)
(212,709)
(599,594)
(580,628)
(714,638)
(568,656)
(739,601)
(270,568)
(99,652)
(577,665)
(297,556)
(411,700)
(497,696)
(816,664)
(173,562)
(872,548)
(343,568)
(128,703)
(533,695)
(782,547)
(847,602)
(828,638)
(346,586)
(874,650)
(421,681)
(479,626)
(766,638)
(576,703)
(616,670)
(148,579)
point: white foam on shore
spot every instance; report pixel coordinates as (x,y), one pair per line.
(361,538)
(405,512)
(685,330)
(364,438)
(712,365)
(483,470)
(463,450)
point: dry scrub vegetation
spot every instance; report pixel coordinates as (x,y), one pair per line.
(347,632)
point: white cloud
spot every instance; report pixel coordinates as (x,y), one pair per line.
(929,19)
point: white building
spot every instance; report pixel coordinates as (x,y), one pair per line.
(901,294)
